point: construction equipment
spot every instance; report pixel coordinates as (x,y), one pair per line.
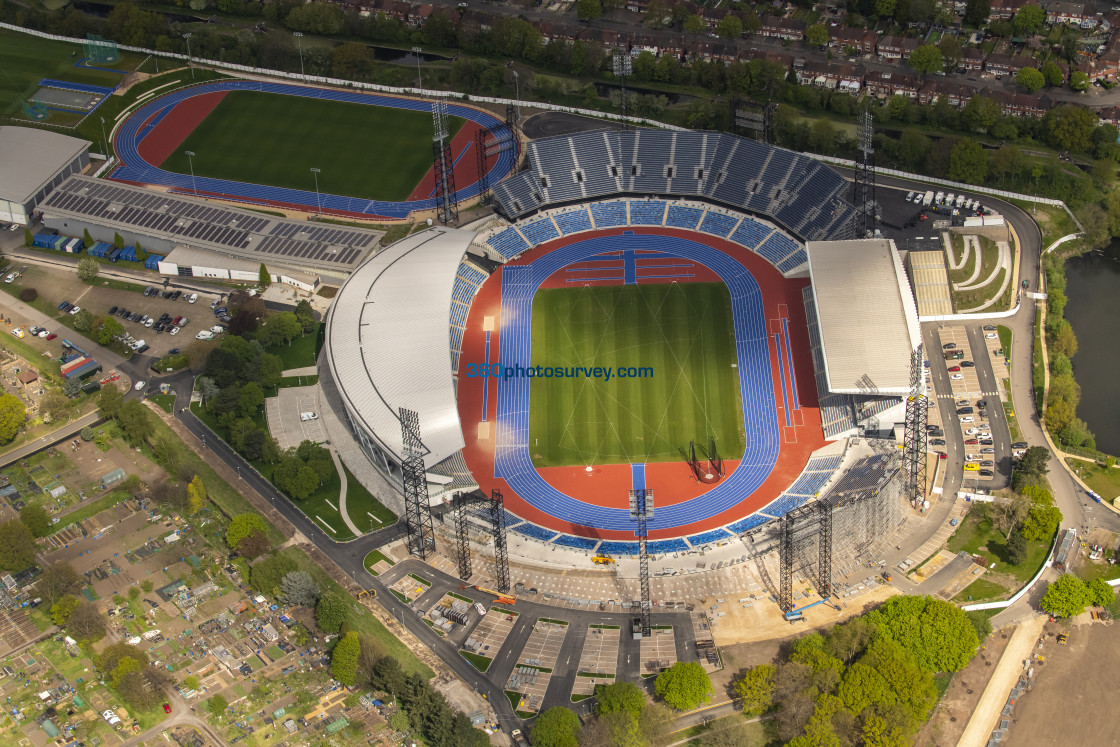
(795,615)
(602,560)
(367,593)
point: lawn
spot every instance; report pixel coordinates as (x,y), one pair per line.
(981,590)
(275,139)
(977,536)
(1104,482)
(1005,339)
(27,59)
(480,662)
(360,504)
(373,558)
(87,509)
(300,354)
(165,401)
(683,332)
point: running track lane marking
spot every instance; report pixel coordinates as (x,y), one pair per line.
(485,379)
(453,165)
(782,374)
(789,363)
(631,273)
(638,476)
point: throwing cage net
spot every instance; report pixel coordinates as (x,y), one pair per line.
(99,51)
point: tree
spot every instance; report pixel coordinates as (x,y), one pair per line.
(980,113)
(62,609)
(17,546)
(299,588)
(817,34)
(280,328)
(968,162)
(264,277)
(217,705)
(88,269)
(196,495)
(1016,548)
(1041,522)
(728,732)
(109,329)
(1079,81)
(620,697)
(588,10)
(28,239)
(730,27)
(1070,127)
(83,320)
(926,59)
(266,574)
(332,610)
(86,623)
(135,421)
(1066,597)
(684,686)
(28,294)
(56,581)
(694,24)
(1053,74)
(35,519)
(1007,514)
(255,545)
(12,416)
(242,526)
(1034,461)
(977,11)
(344,659)
(937,633)
(556,727)
(755,689)
(305,315)
(1030,79)
(1100,593)
(190,682)
(1028,20)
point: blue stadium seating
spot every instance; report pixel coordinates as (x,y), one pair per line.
(609,213)
(660,547)
(539,231)
(683,216)
(647,212)
(777,247)
(784,504)
(747,524)
(579,543)
(705,538)
(750,233)
(574,221)
(534,531)
(718,224)
(457,338)
(610,547)
(508,243)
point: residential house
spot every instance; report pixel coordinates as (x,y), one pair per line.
(1110,115)
(830,75)
(1107,65)
(1021,104)
(953,93)
(897,47)
(972,59)
(1005,64)
(884,83)
(1003,10)
(782,28)
(863,40)
(1071,13)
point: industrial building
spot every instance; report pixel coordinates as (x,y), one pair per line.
(199,263)
(32,163)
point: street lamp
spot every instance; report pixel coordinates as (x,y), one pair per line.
(190,160)
(318,202)
(416,51)
(299,35)
(190,62)
(104,140)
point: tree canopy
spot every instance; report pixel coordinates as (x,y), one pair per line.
(12,416)
(937,633)
(36,519)
(621,696)
(556,727)
(926,59)
(1066,597)
(242,526)
(344,659)
(332,611)
(684,686)
(17,546)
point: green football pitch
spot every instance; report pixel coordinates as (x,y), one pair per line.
(683,331)
(371,152)
(25,60)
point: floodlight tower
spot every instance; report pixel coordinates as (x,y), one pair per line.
(641,511)
(622,65)
(864,178)
(417,510)
(447,205)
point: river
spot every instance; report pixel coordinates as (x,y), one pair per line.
(1093,289)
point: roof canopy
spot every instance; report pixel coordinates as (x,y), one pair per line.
(30,157)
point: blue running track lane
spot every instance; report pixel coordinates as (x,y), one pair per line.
(512,460)
(136,169)
(789,364)
(83,87)
(782,374)
(638,476)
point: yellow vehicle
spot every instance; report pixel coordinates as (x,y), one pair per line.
(602,560)
(971,467)
(367,593)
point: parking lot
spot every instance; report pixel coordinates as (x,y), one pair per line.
(490,635)
(597,661)
(659,651)
(535,666)
(284,413)
(970,401)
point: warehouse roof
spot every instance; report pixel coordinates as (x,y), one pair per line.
(207,225)
(400,300)
(868,319)
(30,158)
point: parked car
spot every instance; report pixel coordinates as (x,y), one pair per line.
(74,310)
(968,364)
(62,306)
(193,298)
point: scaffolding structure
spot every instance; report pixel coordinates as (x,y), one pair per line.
(501,551)
(867,209)
(491,142)
(447,203)
(462,541)
(496,527)
(917,415)
(641,511)
(622,65)
(417,510)
(755,119)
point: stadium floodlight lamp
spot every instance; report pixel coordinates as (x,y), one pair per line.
(622,64)
(420,80)
(190,61)
(318,203)
(190,160)
(299,44)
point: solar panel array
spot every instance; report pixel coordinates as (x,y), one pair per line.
(801,194)
(199,224)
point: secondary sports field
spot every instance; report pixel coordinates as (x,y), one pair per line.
(370,152)
(25,60)
(683,331)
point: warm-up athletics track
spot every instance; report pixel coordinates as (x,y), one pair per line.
(154,118)
(776,390)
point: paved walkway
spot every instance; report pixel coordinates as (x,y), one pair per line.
(342,494)
(1010,666)
(305,371)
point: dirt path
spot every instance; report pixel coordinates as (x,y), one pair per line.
(1007,671)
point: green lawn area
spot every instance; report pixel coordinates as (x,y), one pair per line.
(375,556)
(682,331)
(360,503)
(1005,339)
(165,401)
(273,139)
(87,509)
(1038,371)
(1090,569)
(981,590)
(361,619)
(300,353)
(169,363)
(1104,482)
(27,59)
(480,662)
(420,579)
(976,532)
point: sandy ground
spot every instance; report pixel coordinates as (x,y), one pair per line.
(763,620)
(1080,674)
(947,724)
(986,715)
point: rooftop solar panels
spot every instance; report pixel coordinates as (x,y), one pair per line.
(206,226)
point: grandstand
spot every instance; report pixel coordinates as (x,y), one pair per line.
(800,194)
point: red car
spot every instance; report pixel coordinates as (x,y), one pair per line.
(972,441)
(166,708)
(942,455)
(954,368)
(51,336)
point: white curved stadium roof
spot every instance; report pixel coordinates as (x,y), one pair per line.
(389,341)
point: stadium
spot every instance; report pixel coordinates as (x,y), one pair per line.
(757,341)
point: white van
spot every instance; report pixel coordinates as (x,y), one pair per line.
(480,608)
(305,416)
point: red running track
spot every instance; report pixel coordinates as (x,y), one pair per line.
(176,124)
(466,170)
(672,481)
